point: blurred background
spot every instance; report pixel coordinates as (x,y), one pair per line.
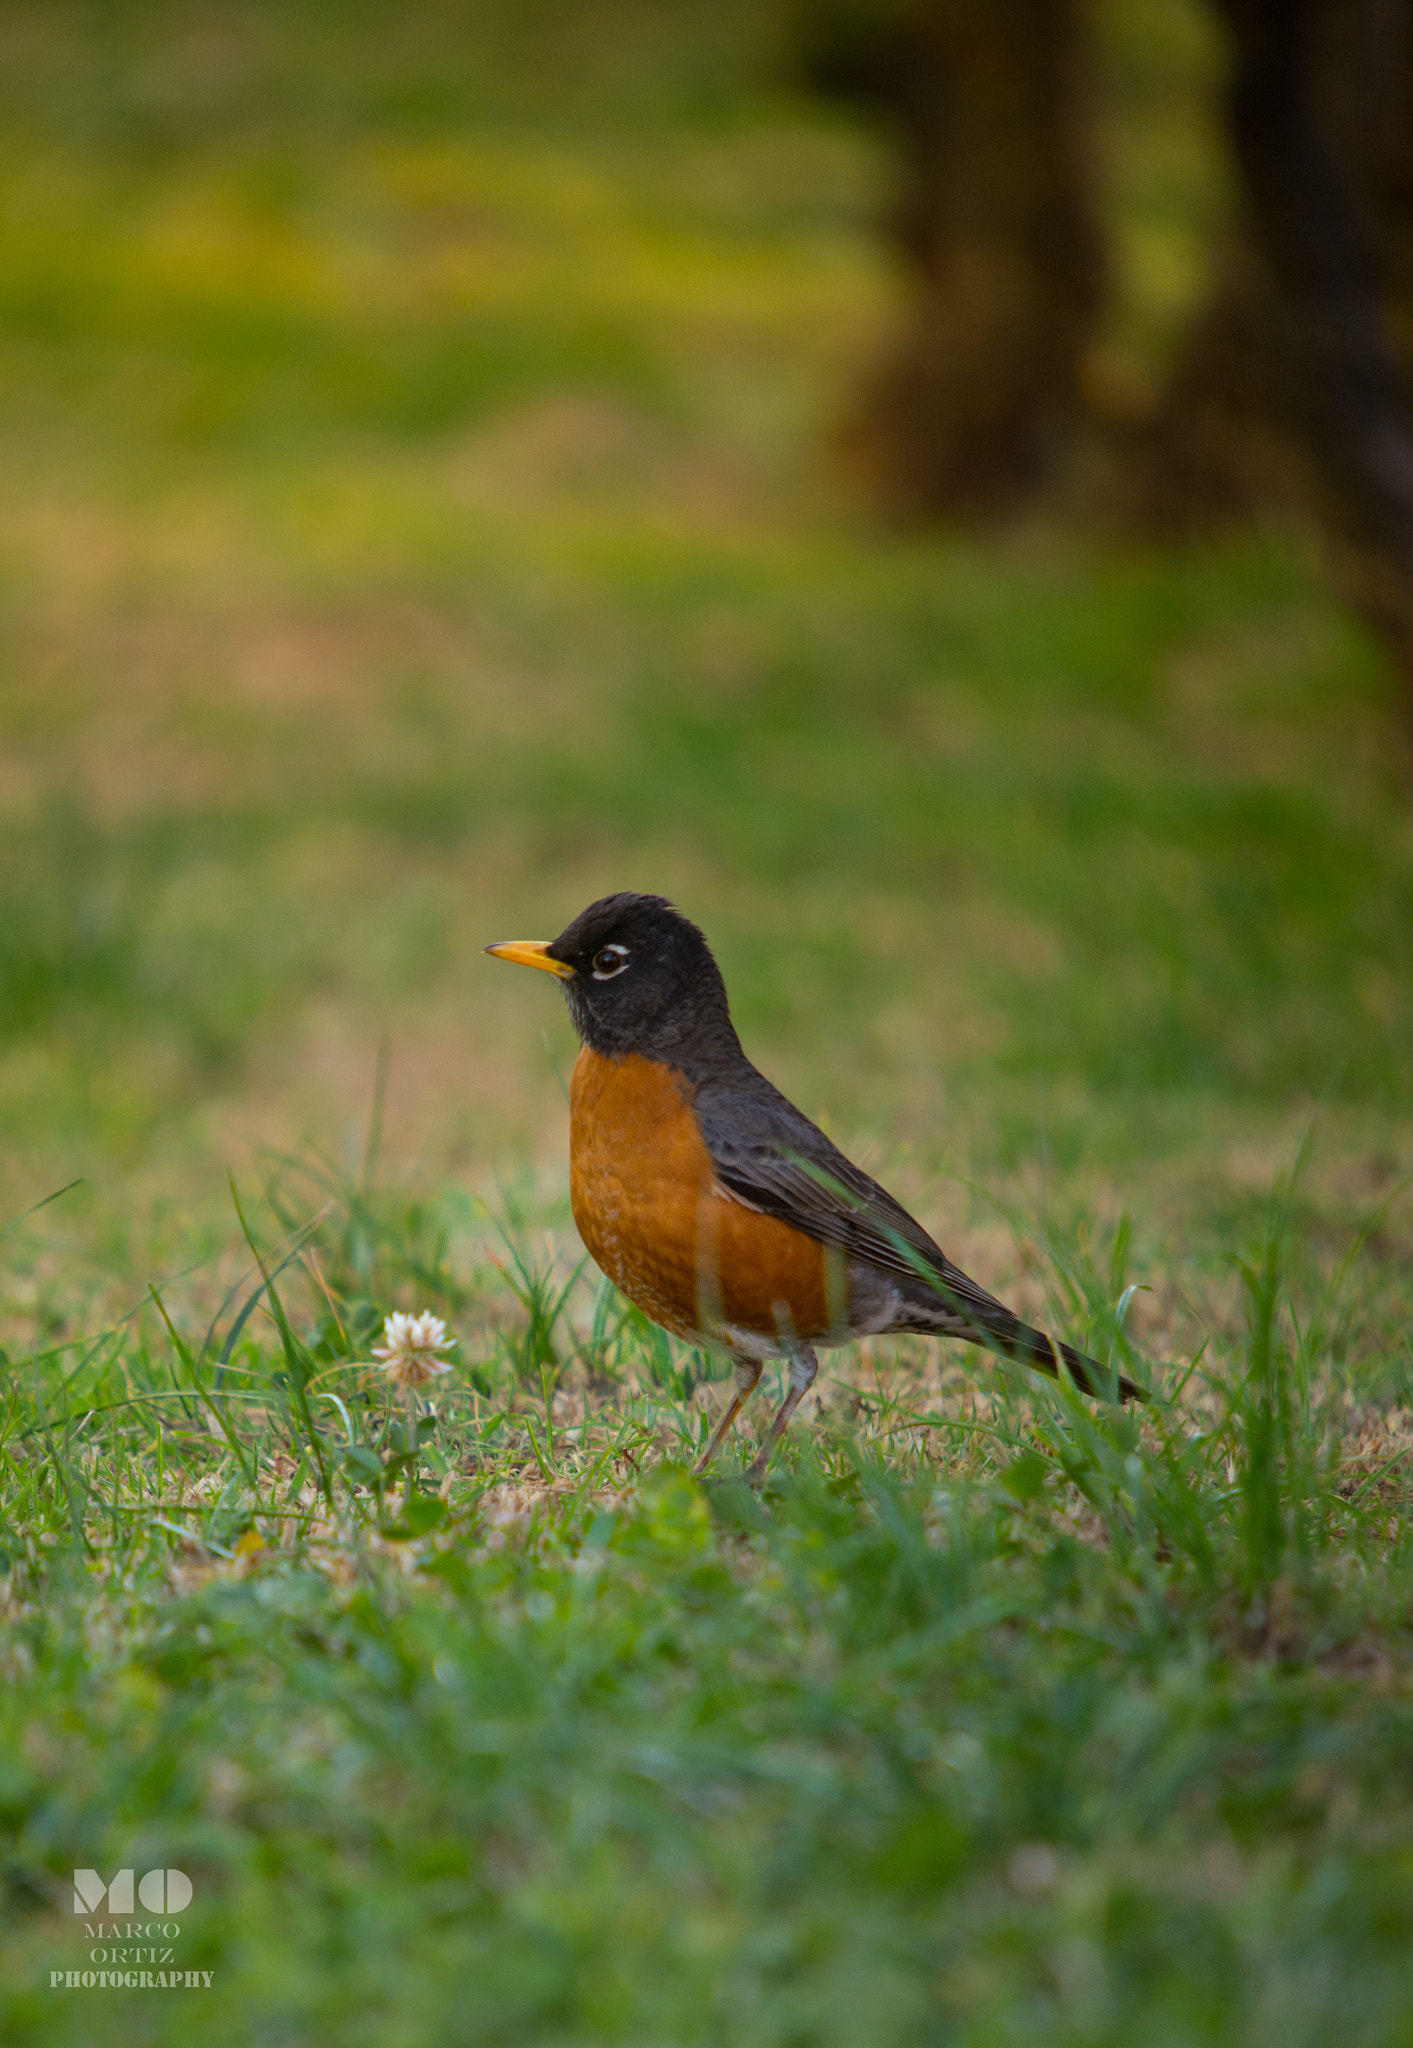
(924,492)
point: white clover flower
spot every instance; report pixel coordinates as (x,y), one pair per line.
(410,1354)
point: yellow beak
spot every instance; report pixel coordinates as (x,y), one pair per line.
(532,953)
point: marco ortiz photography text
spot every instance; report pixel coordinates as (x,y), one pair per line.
(127,1953)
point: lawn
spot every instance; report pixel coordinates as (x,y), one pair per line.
(418,516)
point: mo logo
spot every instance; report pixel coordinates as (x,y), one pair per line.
(161,1891)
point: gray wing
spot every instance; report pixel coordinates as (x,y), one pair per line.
(768,1154)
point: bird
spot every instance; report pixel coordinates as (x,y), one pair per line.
(714,1204)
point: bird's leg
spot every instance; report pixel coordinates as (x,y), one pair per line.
(804,1367)
(746,1376)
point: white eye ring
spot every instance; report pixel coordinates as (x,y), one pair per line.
(608,961)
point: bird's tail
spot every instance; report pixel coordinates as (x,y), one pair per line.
(1032,1347)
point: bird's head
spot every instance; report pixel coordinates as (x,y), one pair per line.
(638,978)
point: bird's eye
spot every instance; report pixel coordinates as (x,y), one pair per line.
(610,960)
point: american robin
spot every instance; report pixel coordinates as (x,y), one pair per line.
(713,1203)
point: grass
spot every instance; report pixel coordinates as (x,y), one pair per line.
(417,518)
(996,1714)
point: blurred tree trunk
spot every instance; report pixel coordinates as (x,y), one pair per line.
(1227,437)
(1292,386)
(1219,447)
(1288,391)
(996,224)
(1348,401)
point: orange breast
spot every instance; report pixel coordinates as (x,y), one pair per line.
(650,1212)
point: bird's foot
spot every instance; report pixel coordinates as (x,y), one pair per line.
(803,1367)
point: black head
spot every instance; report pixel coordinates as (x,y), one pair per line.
(638,977)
